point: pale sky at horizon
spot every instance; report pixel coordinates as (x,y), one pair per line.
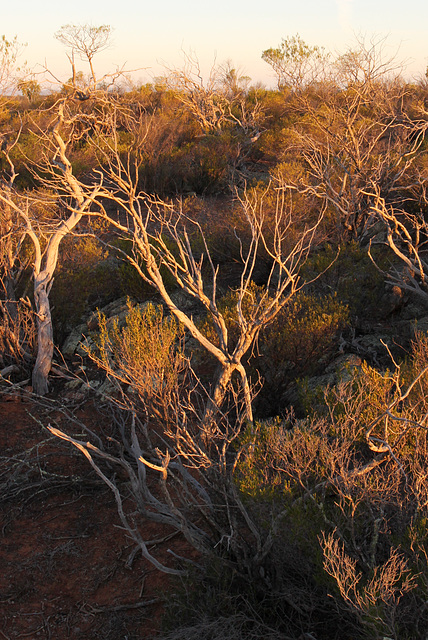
(148,34)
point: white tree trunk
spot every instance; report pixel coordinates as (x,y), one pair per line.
(220,389)
(45,345)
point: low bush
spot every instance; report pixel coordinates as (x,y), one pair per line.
(348,272)
(346,488)
(300,342)
(146,355)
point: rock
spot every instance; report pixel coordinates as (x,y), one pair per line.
(70,345)
(375,347)
(92,385)
(74,396)
(340,370)
(344,363)
(110,311)
(420,325)
(374,233)
(83,346)
(72,384)
(184,302)
(79,340)
(392,301)
(106,388)
(415,309)
(116,311)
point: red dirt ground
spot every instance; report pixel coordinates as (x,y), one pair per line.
(63,572)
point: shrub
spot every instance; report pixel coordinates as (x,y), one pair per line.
(17,334)
(131,283)
(302,336)
(85,278)
(346,487)
(348,272)
(146,355)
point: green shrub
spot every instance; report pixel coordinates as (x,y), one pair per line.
(131,283)
(304,333)
(343,505)
(301,341)
(85,278)
(348,272)
(145,353)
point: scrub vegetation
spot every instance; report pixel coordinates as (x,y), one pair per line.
(244,274)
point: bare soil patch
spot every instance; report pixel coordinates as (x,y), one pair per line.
(64,570)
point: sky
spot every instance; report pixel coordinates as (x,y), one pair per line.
(150,37)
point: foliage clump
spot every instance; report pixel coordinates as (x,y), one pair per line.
(346,481)
(144,357)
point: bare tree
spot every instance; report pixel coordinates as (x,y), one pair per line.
(17,330)
(219,101)
(355,130)
(86,41)
(46,238)
(53,170)
(254,311)
(405,233)
(152,225)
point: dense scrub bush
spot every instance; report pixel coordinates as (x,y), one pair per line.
(200,164)
(299,342)
(349,484)
(86,278)
(222,227)
(348,272)
(146,354)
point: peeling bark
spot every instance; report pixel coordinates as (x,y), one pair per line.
(45,345)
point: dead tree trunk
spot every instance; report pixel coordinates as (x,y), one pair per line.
(45,345)
(60,172)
